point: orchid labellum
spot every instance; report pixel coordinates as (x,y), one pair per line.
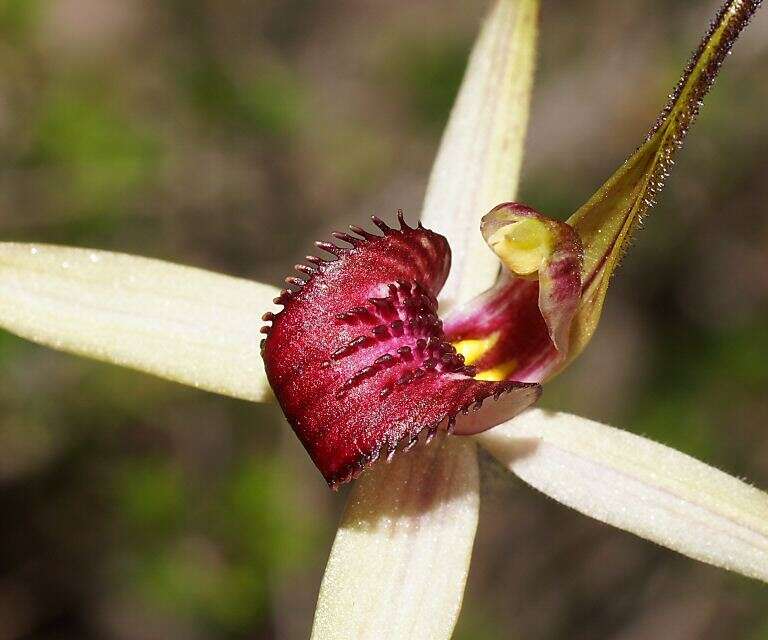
(364,367)
(358,358)
(361,363)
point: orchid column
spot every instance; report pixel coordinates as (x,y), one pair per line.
(400,560)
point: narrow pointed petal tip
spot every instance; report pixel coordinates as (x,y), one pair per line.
(521,327)
(180,323)
(640,486)
(358,360)
(606,222)
(400,560)
(478,164)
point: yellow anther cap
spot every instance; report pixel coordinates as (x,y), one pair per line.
(522,246)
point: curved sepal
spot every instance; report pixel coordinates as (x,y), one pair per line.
(638,485)
(180,323)
(358,360)
(401,556)
(606,222)
(545,307)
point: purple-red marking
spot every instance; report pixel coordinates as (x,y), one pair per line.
(358,359)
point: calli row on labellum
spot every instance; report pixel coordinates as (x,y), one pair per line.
(359,360)
(362,365)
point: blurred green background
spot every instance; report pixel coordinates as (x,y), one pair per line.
(229,134)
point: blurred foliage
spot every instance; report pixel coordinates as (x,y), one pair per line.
(17,17)
(427,71)
(103,158)
(231,135)
(270,104)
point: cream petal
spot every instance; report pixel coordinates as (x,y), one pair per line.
(401,555)
(399,563)
(640,486)
(478,164)
(180,323)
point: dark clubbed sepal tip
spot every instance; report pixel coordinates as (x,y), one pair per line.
(358,359)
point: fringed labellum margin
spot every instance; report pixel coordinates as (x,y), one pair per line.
(358,359)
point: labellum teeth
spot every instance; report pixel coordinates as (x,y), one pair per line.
(298,282)
(366,235)
(345,237)
(381,224)
(358,360)
(330,248)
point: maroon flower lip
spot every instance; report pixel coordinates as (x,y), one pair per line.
(358,360)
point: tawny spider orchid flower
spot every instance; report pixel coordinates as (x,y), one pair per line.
(363,366)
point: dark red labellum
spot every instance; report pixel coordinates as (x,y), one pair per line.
(358,359)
